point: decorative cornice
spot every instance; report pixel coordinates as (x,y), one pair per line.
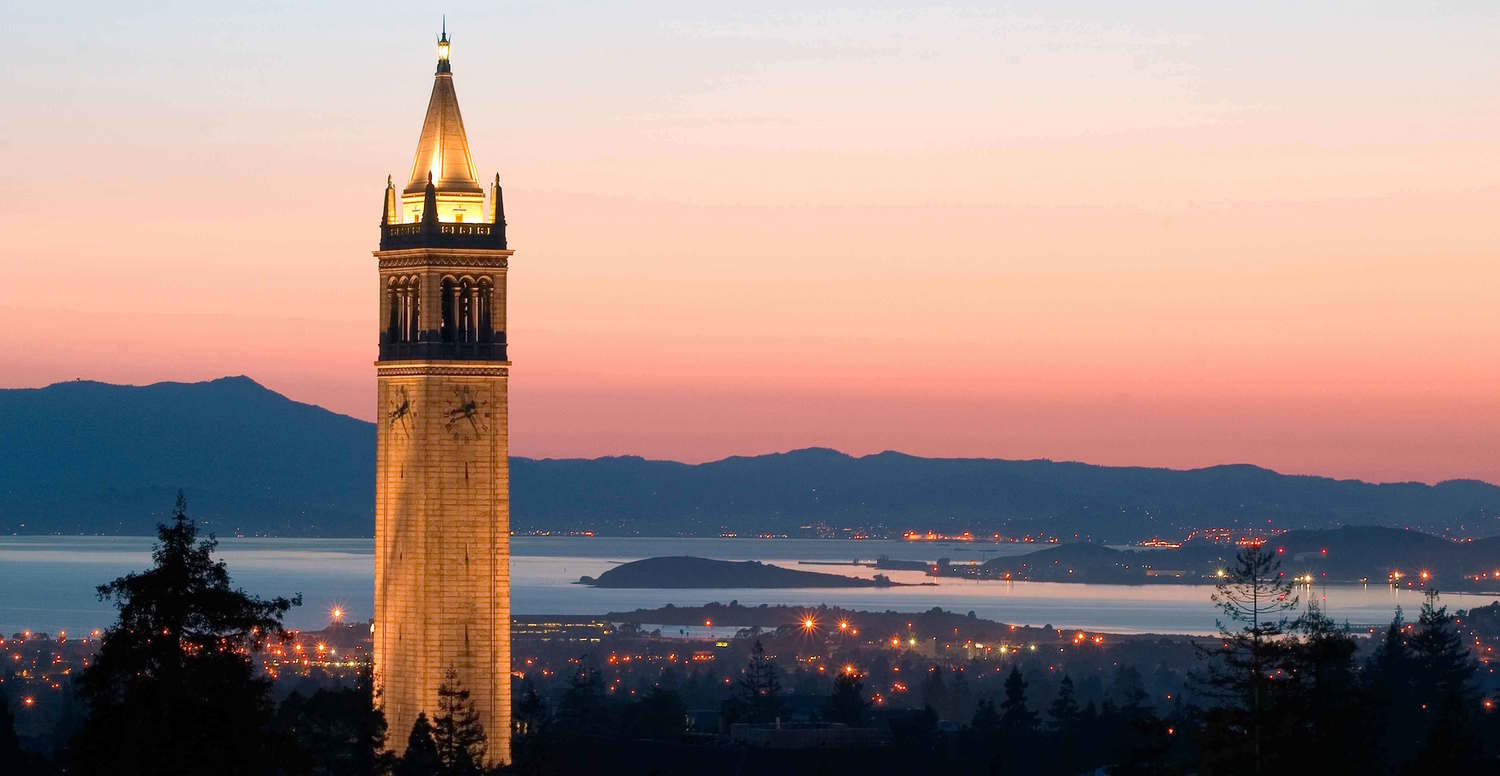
(408,369)
(408,263)
(443,258)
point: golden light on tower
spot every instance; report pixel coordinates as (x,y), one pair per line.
(442,503)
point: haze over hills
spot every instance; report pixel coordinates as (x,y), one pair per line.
(88,457)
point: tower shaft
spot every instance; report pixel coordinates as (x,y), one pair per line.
(442,488)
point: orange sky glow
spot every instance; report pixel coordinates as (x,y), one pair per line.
(1169,236)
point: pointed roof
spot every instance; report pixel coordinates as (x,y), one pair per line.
(443,148)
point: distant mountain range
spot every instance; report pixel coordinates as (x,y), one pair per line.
(88,457)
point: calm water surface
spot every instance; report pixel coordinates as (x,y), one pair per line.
(47,583)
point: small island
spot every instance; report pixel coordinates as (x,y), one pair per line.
(689,572)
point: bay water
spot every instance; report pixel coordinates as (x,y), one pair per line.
(47,583)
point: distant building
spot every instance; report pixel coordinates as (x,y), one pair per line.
(584,630)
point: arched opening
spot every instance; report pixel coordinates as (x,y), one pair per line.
(467,330)
(486,322)
(450,310)
(393,319)
(413,306)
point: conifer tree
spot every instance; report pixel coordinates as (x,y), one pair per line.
(1256,599)
(421,756)
(1391,677)
(847,704)
(1016,720)
(531,733)
(172,689)
(760,689)
(583,708)
(456,730)
(1063,712)
(1445,684)
(1326,720)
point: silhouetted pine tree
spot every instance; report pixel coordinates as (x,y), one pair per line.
(1390,684)
(1016,719)
(1445,686)
(421,756)
(1256,599)
(1063,725)
(456,730)
(584,708)
(1326,719)
(531,738)
(172,689)
(759,698)
(337,732)
(847,703)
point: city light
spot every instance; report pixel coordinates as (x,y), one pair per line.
(809,624)
(337,614)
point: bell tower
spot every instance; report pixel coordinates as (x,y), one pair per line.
(442,487)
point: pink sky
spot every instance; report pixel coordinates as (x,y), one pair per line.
(1171,238)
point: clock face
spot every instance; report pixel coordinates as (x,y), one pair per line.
(401,413)
(466,415)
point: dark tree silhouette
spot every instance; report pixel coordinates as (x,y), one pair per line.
(659,713)
(986,718)
(847,704)
(456,731)
(10,745)
(531,739)
(421,756)
(1016,719)
(1064,724)
(172,689)
(1446,691)
(338,732)
(1326,721)
(1064,709)
(583,709)
(1391,673)
(1256,598)
(759,698)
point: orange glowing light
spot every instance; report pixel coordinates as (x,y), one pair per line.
(843,625)
(337,614)
(849,669)
(809,624)
(28,701)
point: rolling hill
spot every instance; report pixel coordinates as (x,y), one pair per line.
(88,457)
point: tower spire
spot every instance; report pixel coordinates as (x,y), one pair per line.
(443,66)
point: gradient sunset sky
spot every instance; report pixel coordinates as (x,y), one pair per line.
(1165,234)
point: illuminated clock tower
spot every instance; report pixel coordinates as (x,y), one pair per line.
(442,476)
